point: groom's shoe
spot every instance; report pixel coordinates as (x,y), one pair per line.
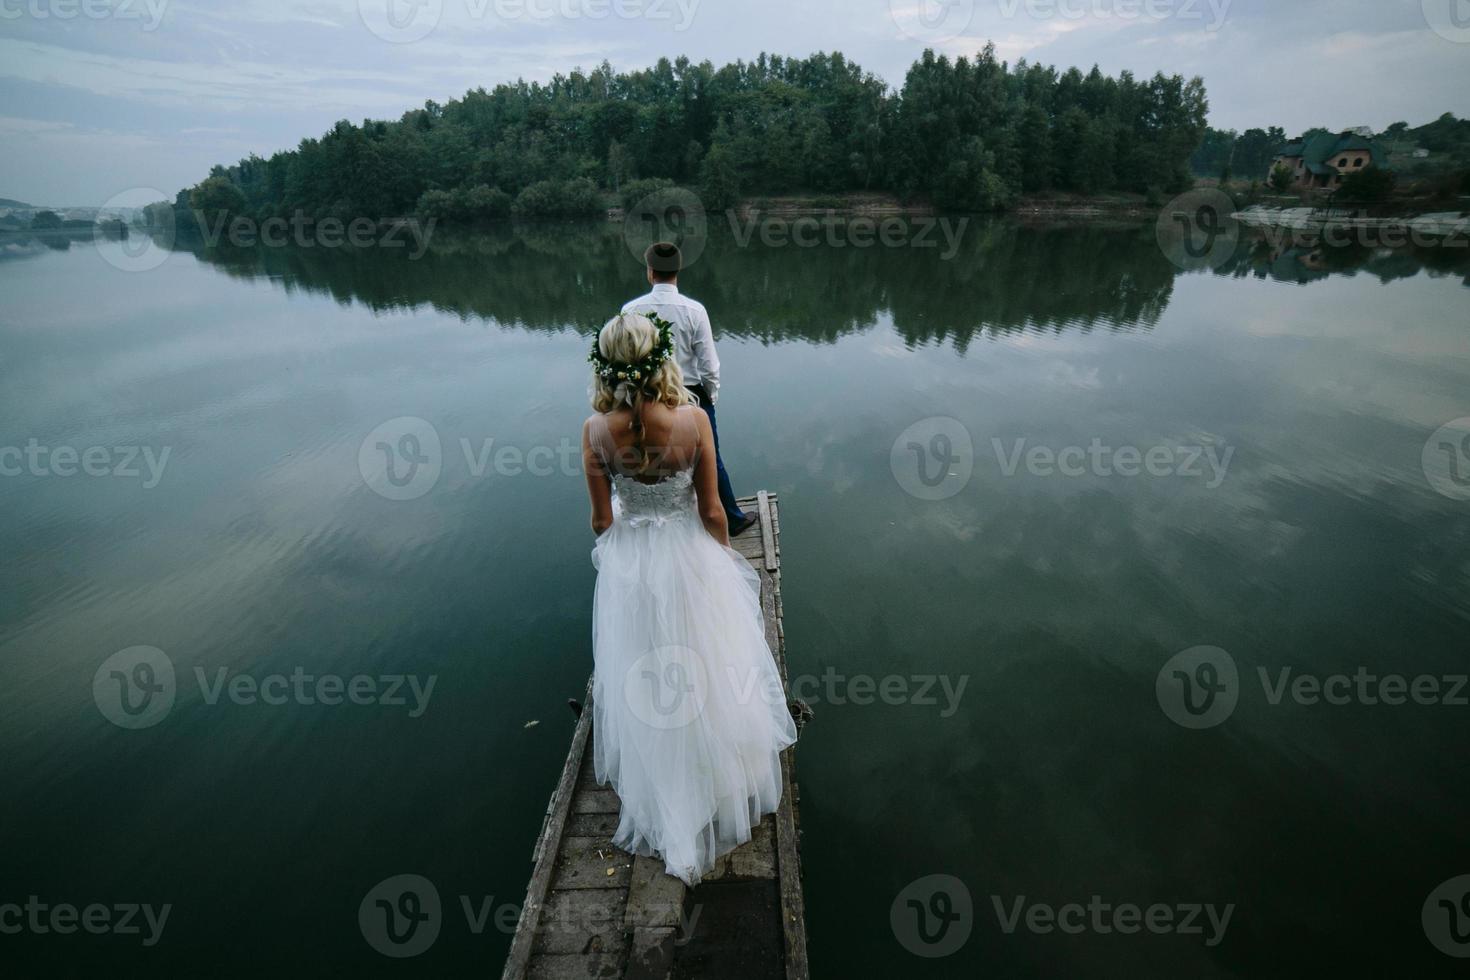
(739,527)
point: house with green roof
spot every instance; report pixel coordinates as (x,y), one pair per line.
(1326,159)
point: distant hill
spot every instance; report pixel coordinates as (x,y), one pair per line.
(6,202)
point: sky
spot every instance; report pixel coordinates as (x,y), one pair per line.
(110,100)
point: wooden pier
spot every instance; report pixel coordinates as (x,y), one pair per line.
(593,910)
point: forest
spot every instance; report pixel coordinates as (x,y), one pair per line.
(963,134)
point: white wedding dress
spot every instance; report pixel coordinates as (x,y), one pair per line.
(689,715)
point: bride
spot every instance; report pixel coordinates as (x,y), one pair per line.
(689,717)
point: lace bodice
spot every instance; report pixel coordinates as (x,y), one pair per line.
(670,499)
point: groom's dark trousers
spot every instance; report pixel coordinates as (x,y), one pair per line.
(727,493)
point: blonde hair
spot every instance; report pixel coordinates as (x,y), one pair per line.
(627,339)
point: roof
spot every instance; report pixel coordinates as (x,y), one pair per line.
(1318,150)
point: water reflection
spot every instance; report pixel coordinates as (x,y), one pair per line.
(1003,277)
(1302,263)
(1058,598)
(998,276)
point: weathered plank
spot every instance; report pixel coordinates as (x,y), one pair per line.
(582,921)
(551,830)
(652,954)
(756,859)
(577,966)
(595,801)
(655,899)
(768,530)
(735,934)
(749,546)
(591,862)
(602,825)
(769,583)
(559,796)
(788,861)
(788,857)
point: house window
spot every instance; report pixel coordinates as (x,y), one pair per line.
(1358,162)
(1342,162)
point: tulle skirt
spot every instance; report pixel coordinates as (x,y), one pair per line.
(689,715)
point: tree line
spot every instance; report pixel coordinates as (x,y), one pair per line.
(971,133)
(1228,154)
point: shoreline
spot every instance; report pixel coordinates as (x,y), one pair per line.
(884,205)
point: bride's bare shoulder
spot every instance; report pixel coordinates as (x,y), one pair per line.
(599,430)
(605,420)
(693,415)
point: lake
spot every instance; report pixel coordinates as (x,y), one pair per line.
(1024,478)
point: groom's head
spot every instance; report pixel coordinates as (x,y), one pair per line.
(663,261)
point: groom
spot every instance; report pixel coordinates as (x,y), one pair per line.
(694,348)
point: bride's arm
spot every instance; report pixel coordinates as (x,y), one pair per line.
(599,489)
(707,482)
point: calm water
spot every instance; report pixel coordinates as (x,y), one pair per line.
(1053,773)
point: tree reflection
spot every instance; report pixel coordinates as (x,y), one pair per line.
(990,277)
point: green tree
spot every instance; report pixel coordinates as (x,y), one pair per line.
(1371,184)
(485,203)
(159,214)
(719,182)
(1282,178)
(1256,148)
(558,199)
(1037,159)
(45,221)
(969,184)
(438,205)
(619,165)
(1214,149)
(217,198)
(639,189)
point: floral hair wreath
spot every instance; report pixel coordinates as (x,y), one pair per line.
(614,372)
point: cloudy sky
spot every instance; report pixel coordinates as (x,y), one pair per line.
(101,96)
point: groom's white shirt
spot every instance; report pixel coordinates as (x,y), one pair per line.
(694,341)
